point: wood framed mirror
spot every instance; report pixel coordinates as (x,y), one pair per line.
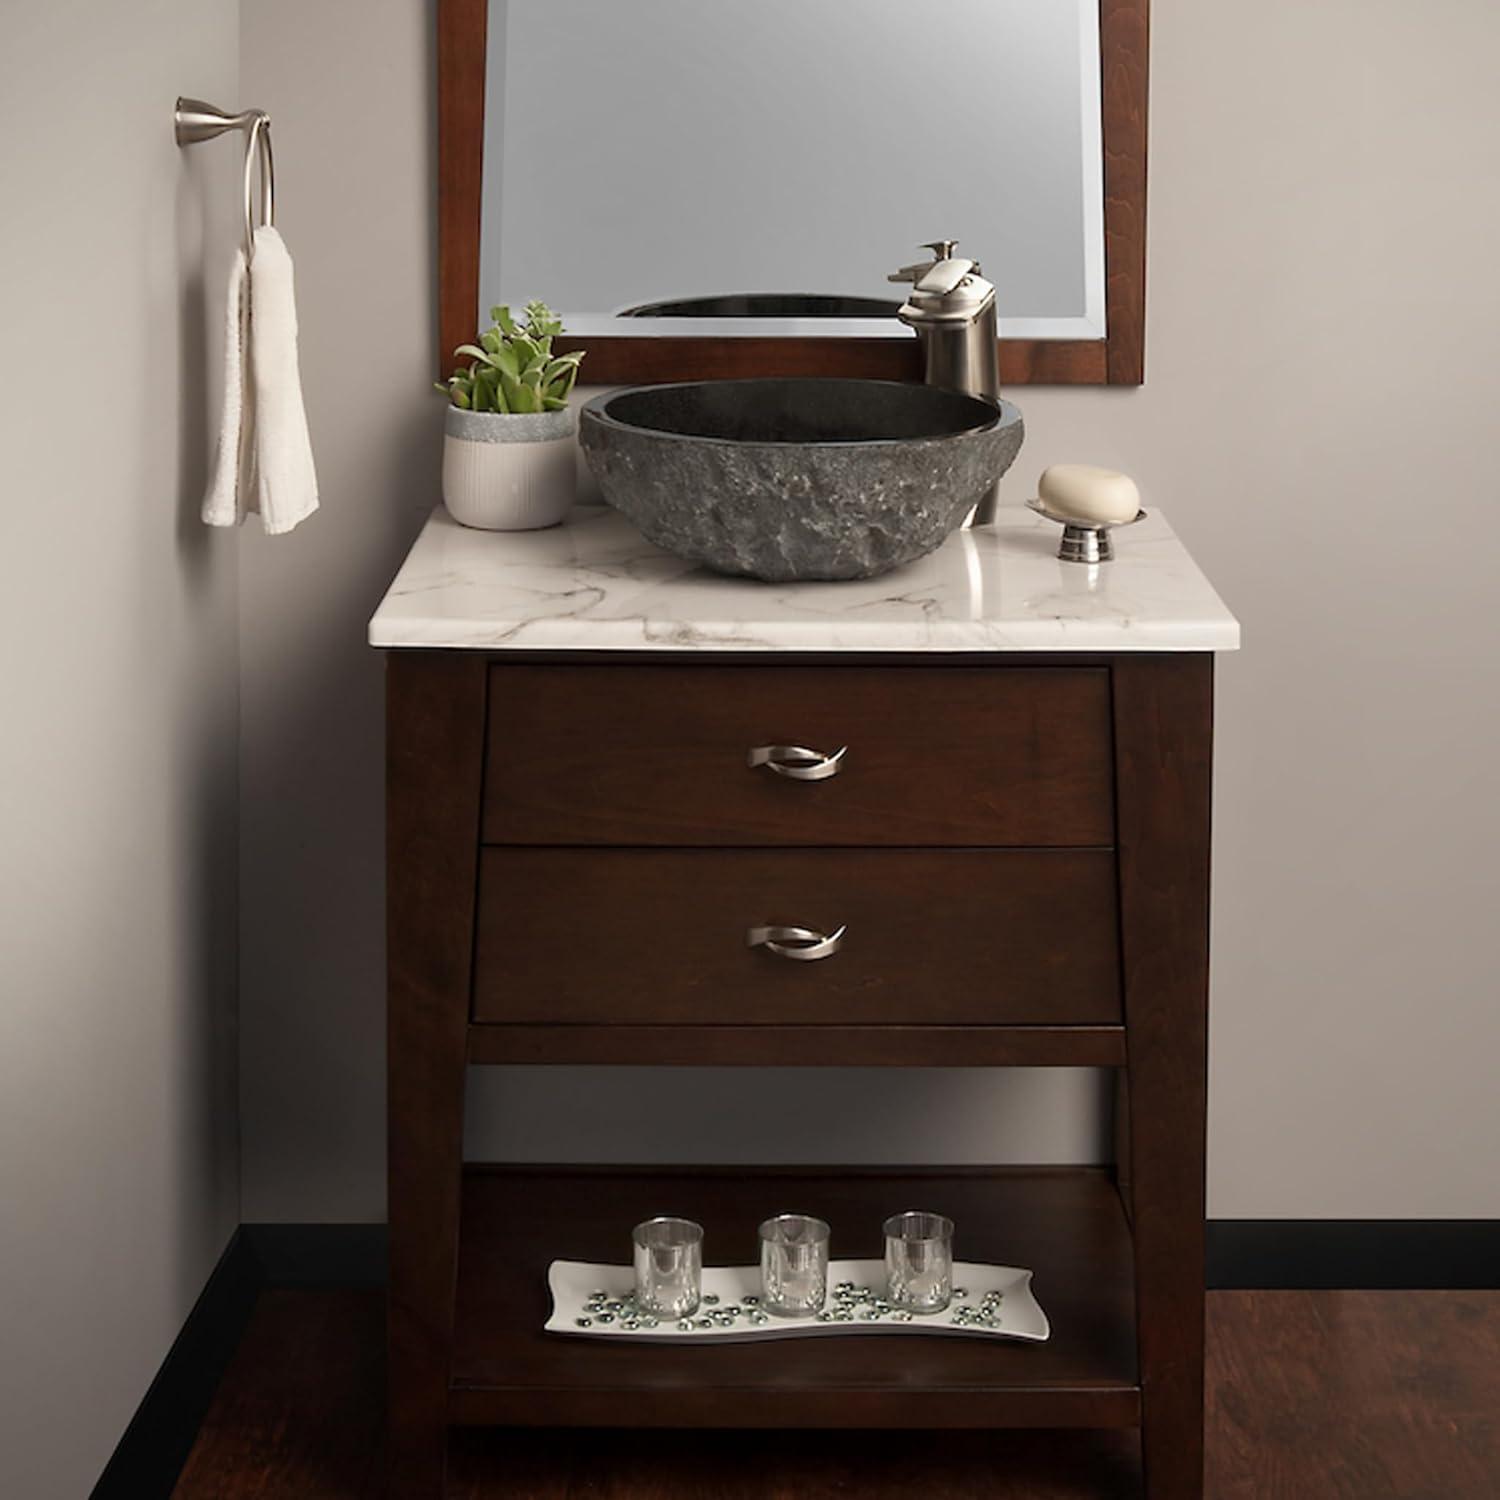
(472,50)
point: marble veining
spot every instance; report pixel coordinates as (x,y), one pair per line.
(595,584)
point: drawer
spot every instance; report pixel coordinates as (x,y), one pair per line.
(947,756)
(932,937)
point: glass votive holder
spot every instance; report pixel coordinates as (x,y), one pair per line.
(668,1267)
(919,1262)
(794,1265)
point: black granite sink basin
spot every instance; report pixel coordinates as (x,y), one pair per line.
(797,479)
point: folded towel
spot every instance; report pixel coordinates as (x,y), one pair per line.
(264,461)
(230,486)
(286,489)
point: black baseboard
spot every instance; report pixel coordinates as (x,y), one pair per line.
(1354,1254)
(314,1255)
(1314,1254)
(149,1457)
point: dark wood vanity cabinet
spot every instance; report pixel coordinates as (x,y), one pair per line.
(1019,850)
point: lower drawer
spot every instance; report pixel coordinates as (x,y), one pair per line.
(931,937)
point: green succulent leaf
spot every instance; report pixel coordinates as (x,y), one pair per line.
(512,389)
(505,360)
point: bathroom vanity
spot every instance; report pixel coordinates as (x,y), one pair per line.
(990,769)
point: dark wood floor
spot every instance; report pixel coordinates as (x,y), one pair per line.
(1312,1396)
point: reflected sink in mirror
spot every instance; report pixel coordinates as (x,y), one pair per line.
(768,305)
(794,479)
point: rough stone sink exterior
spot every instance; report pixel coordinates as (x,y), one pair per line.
(797,479)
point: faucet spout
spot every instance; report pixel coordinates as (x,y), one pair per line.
(952,310)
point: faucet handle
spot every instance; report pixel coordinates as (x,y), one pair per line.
(946,276)
(942,251)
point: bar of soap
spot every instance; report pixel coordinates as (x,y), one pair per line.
(1081,492)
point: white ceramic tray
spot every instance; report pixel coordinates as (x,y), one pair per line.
(1014,1314)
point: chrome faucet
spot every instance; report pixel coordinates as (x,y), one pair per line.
(952,309)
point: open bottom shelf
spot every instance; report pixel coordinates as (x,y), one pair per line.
(1067,1225)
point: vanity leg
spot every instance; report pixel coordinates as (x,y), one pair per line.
(1163,715)
(435,705)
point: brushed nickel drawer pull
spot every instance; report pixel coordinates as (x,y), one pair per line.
(798,762)
(802,943)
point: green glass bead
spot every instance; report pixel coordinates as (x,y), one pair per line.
(584,1322)
(711,1298)
(685,1326)
(605,1317)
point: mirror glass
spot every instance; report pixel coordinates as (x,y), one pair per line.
(758,167)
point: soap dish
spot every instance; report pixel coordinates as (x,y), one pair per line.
(1084,541)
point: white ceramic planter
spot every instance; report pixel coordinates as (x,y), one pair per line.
(504,472)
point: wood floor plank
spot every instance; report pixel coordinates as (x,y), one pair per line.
(1311,1396)
(1365,1395)
(298,1413)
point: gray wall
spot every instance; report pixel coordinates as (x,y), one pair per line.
(1323,317)
(118,1182)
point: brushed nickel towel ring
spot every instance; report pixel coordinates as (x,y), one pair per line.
(196,121)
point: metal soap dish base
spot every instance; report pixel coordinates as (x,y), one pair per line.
(1083,541)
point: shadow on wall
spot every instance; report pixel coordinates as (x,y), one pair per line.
(312,788)
(206,825)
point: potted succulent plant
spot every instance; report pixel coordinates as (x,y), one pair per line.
(509,456)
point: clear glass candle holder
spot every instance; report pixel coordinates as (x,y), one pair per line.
(919,1262)
(668,1267)
(794,1265)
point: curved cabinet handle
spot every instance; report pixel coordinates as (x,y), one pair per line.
(801,943)
(797,762)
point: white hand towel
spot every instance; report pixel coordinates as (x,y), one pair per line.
(229,486)
(286,484)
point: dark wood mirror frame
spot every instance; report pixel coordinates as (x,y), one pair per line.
(1118,359)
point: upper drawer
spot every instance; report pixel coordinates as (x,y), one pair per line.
(933,755)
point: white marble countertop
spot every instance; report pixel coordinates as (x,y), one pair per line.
(595,584)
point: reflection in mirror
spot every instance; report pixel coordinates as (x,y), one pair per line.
(751,167)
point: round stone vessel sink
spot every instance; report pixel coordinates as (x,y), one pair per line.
(797,479)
